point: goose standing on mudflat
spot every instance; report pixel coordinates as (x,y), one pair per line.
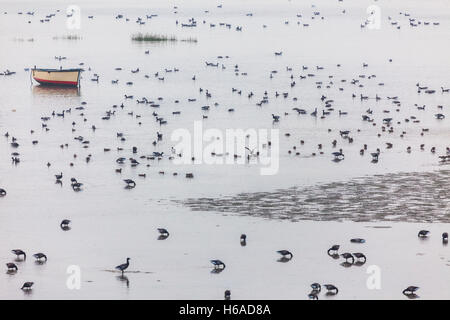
(124,266)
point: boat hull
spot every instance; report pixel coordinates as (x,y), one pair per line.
(54,77)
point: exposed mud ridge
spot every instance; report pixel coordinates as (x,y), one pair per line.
(413,197)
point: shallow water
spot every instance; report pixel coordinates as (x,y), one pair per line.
(310,204)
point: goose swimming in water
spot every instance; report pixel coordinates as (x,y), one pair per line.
(334,248)
(243,240)
(360,256)
(285,253)
(2,192)
(163,234)
(375,156)
(11,266)
(40,256)
(347,256)
(357,240)
(27,286)
(76,186)
(124,266)
(19,253)
(344,134)
(410,290)
(423,233)
(316,287)
(130,183)
(299,111)
(120,160)
(218,264)
(338,155)
(332,290)
(65,223)
(313,296)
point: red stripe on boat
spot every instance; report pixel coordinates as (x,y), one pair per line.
(74,83)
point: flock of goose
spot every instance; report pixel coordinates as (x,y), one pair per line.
(324,108)
(356,259)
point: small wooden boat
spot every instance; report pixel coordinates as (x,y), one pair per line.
(57,77)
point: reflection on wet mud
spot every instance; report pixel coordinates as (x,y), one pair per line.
(284,259)
(124,279)
(414,197)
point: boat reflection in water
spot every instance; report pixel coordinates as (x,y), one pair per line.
(44,91)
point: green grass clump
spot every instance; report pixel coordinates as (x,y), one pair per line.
(68,37)
(189,40)
(152,37)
